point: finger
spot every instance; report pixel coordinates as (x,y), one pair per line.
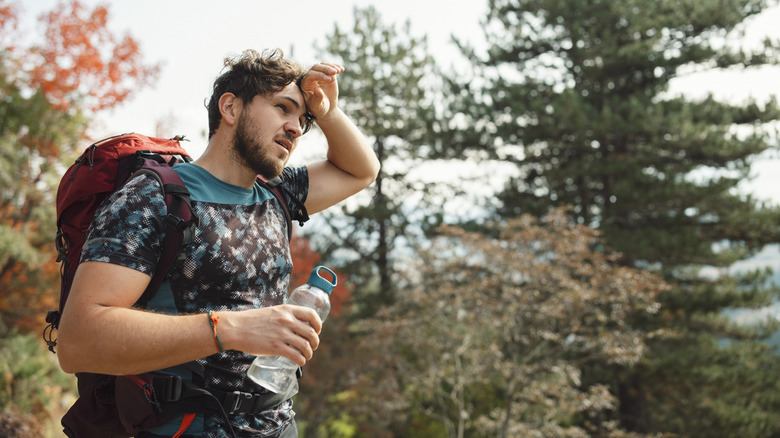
(313,80)
(324,73)
(311,338)
(305,342)
(322,76)
(299,356)
(336,67)
(328,67)
(308,316)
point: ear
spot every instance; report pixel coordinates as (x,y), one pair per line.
(230,108)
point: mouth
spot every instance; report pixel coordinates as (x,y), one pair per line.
(285,144)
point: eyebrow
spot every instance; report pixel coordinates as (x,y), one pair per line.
(291,100)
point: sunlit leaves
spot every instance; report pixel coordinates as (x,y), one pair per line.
(493,336)
(84,59)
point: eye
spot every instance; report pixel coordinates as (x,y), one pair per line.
(306,121)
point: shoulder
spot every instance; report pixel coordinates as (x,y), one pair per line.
(139,189)
(142,183)
(140,197)
(296,180)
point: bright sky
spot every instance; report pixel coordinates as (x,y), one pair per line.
(191,38)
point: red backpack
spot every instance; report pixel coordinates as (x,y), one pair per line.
(120,406)
(110,406)
(104,167)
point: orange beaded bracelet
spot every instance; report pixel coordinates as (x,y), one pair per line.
(213,321)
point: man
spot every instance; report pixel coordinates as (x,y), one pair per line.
(221,302)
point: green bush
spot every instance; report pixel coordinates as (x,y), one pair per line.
(31,381)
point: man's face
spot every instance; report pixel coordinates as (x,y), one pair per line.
(268,130)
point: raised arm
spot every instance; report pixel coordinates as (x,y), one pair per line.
(351,164)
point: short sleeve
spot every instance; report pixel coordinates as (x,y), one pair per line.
(128,227)
(296,180)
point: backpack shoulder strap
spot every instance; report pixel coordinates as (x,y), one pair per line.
(179,222)
(278,189)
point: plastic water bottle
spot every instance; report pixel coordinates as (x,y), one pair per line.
(277,373)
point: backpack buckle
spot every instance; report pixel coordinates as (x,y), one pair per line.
(239,402)
(167,389)
(176,222)
(146,154)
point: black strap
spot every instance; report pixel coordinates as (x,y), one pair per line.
(303,214)
(172,388)
(276,187)
(177,229)
(176,396)
(237,402)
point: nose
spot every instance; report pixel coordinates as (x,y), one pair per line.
(293,128)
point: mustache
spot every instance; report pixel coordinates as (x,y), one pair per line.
(287,137)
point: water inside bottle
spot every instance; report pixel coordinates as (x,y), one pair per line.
(275,376)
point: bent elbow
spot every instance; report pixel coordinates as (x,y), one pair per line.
(372,173)
(66,368)
(66,360)
(375,172)
(68,354)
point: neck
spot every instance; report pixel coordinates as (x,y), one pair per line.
(219,160)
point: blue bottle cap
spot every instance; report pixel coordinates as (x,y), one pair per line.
(316,280)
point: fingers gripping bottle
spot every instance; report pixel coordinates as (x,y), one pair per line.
(278,373)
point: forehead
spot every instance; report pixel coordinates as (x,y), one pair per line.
(291,93)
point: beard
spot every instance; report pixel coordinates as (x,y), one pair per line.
(251,153)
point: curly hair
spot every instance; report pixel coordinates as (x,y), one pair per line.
(254,73)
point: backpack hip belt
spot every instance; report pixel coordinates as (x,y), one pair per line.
(175,396)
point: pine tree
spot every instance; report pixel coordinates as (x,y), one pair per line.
(384,90)
(574,93)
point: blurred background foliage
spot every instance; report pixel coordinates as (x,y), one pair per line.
(590,294)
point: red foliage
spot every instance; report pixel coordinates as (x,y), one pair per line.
(82,58)
(80,66)
(8,21)
(305,259)
(27,294)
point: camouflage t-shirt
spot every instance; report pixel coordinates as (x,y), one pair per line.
(239,258)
